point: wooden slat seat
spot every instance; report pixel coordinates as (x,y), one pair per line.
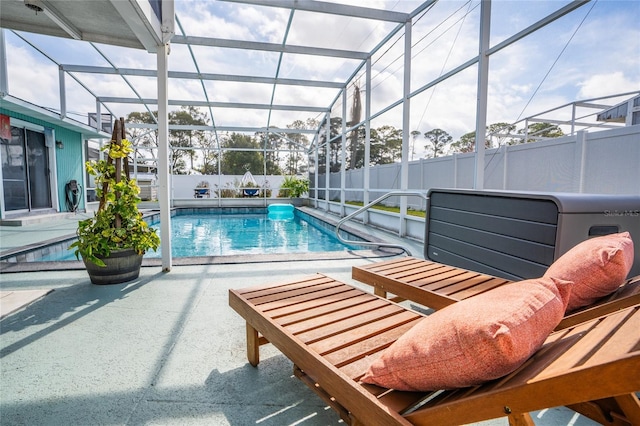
(332,331)
(435,285)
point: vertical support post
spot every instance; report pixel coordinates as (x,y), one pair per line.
(163,156)
(4,90)
(63,94)
(455,169)
(316,171)
(118,177)
(483,88)
(367,141)
(505,166)
(343,153)
(581,150)
(406,125)
(327,167)
(4,80)
(98,115)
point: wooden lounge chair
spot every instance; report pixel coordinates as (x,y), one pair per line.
(436,285)
(332,331)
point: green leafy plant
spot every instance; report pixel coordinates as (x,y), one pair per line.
(293,187)
(117,224)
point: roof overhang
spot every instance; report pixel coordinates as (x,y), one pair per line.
(142,24)
(21,107)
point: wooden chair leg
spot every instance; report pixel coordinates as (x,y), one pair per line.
(253,346)
(520,420)
(379,292)
(630,406)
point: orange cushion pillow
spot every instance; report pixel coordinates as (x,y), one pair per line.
(597,266)
(475,340)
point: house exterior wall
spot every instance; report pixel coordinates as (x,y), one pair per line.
(67,161)
(69,164)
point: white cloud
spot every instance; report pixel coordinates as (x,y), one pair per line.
(606,84)
(33,78)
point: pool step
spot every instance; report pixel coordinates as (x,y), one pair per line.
(34,219)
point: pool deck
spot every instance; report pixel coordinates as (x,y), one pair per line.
(164,349)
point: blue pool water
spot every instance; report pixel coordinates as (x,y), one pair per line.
(223,234)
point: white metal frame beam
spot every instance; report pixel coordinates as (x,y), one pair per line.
(142,21)
(268,47)
(224,128)
(60,20)
(331,8)
(203,76)
(111,99)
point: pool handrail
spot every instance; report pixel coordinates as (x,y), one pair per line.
(367,207)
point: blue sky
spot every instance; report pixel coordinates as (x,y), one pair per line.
(593,51)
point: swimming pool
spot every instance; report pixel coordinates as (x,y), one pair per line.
(253,233)
(232,231)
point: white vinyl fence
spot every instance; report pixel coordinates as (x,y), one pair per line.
(604,162)
(182,186)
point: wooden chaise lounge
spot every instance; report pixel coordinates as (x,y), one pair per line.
(436,285)
(332,331)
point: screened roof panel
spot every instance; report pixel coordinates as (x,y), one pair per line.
(282,119)
(337,32)
(316,97)
(232,117)
(122,57)
(229,91)
(318,68)
(181,59)
(220,60)
(298,55)
(510,20)
(233,21)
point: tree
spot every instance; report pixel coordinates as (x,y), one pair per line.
(466,143)
(236,162)
(386,145)
(356,113)
(414,136)
(186,138)
(297,144)
(497,133)
(335,124)
(437,140)
(210,155)
(542,130)
(145,141)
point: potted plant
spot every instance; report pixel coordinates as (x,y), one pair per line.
(294,187)
(114,240)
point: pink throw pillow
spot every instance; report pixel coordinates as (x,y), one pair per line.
(597,266)
(473,341)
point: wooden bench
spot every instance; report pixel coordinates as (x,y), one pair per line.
(332,331)
(436,285)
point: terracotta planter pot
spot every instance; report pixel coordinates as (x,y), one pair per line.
(122,266)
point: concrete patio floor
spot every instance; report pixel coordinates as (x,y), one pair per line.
(165,349)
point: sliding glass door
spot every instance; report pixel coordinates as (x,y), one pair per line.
(25,171)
